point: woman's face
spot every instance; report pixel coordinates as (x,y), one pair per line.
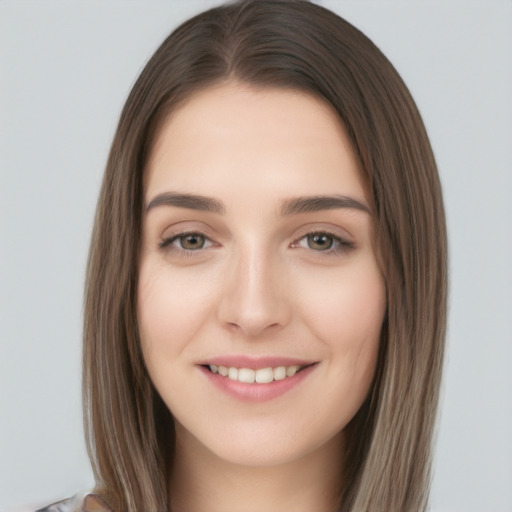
(257,261)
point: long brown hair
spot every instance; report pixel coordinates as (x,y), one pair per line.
(289,44)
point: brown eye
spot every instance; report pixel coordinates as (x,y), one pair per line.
(186,243)
(320,241)
(192,241)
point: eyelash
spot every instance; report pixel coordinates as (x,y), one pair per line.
(168,243)
(340,245)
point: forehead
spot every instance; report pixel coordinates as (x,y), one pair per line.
(278,139)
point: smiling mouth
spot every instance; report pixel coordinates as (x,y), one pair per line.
(259,376)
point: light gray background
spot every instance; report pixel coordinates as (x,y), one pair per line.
(65,70)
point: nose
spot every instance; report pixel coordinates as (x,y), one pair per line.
(255,298)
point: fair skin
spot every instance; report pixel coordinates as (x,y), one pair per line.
(270,270)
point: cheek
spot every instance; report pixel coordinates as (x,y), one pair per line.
(348,320)
(171,307)
(350,302)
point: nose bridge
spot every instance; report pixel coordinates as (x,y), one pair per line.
(253,298)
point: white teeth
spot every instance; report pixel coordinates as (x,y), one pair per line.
(280,373)
(264,375)
(246,375)
(260,376)
(291,371)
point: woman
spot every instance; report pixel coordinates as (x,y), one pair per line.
(265,302)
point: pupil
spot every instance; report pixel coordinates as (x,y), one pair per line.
(192,242)
(321,241)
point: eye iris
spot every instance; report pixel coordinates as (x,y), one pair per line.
(192,242)
(320,241)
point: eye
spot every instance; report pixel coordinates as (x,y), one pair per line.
(187,242)
(192,241)
(322,241)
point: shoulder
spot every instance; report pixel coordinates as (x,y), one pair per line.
(88,503)
(68,505)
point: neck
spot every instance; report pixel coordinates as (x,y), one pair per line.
(201,481)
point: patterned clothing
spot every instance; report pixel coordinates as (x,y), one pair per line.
(89,503)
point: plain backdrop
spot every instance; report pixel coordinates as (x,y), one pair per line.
(65,70)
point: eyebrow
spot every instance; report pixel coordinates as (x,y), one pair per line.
(319,203)
(291,206)
(191,201)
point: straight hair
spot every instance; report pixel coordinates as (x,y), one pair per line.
(289,44)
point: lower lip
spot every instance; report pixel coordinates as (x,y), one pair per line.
(256,392)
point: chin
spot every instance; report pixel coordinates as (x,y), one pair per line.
(264,444)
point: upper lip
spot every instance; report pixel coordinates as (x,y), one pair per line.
(255,362)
